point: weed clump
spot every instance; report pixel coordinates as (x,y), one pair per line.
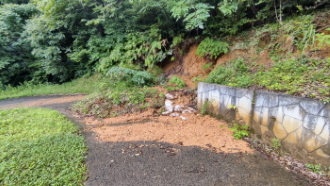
(235,74)
(175,83)
(131,77)
(240,131)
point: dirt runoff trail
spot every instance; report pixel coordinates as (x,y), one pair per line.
(145,153)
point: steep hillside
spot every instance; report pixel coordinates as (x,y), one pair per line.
(293,58)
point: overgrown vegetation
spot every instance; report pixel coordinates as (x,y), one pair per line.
(205,107)
(211,49)
(314,168)
(40,147)
(57,41)
(175,83)
(124,91)
(303,76)
(234,73)
(299,63)
(240,131)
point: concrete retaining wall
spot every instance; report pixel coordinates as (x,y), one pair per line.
(302,124)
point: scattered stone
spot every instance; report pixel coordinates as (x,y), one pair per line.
(186,111)
(166,113)
(190,105)
(169,96)
(169,105)
(192,109)
(174,114)
(178,108)
(183,118)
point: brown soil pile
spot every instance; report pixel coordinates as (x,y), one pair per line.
(197,130)
(187,67)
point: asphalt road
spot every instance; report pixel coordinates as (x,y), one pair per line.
(152,163)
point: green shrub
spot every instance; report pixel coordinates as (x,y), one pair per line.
(211,48)
(205,107)
(176,81)
(235,74)
(240,131)
(132,77)
(314,168)
(292,75)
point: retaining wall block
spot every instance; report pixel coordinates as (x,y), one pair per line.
(214,95)
(271,100)
(240,92)
(311,106)
(294,111)
(292,138)
(231,91)
(244,103)
(257,117)
(291,124)
(288,100)
(280,115)
(315,123)
(225,102)
(326,148)
(321,153)
(223,90)
(250,94)
(325,112)
(264,129)
(200,88)
(266,117)
(325,134)
(259,99)
(279,131)
(300,123)
(244,115)
(311,141)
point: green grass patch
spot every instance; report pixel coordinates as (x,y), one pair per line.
(175,83)
(81,85)
(40,147)
(303,76)
(235,73)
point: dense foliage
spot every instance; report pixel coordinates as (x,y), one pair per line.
(56,41)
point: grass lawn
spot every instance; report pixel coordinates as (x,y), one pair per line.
(81,85)
(40,147)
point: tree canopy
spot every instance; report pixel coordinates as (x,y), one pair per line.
(56,41)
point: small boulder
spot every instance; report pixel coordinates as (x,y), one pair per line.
(169,96)
(186,111)
(178,108)
(169,105)
(183,118)
(174,114)
(192,109)
(166,113)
